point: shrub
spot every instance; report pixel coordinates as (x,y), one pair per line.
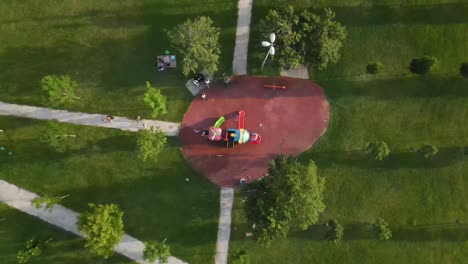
(423,65)
(150,144)
(33,248)
(464,69)
(59,90)
(155,250)
(428,151)
(240,257)
(156,100)
(382,229)
(336,232)
(378,150)
(374,67)
(103,227)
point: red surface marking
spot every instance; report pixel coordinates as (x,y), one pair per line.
(241,123)
(291,121)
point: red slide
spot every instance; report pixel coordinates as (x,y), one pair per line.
(241,119)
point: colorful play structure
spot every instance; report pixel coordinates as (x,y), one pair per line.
(231,135)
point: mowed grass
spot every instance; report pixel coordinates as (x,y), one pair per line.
(102,167)
(108,47)
(424,201)
(17,228)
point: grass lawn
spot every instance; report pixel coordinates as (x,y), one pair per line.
(17,228)
(108,47)
(101,167)
(423,200)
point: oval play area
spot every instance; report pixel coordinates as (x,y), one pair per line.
(278,115)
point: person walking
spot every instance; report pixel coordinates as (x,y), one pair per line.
(203,96)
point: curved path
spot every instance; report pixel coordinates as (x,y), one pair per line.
(122,123)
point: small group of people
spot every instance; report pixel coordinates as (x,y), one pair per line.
(162,64)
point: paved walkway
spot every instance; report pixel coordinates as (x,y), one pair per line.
(224,226)
(239,64)
(300,72)
(66,219)
(122,123)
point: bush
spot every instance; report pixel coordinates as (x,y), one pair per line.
(155,250)
(423,65)
(428,151)
(382,229)
(378,150)
(103,227)
(33,248)
(464,69)
(374,67)
(59,90)
(150,144)
(156,100)
(336,232)
(240,257)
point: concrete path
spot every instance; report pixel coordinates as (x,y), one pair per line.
(66,219)
(239,64)
(224,226)
(300,72)
(122,123)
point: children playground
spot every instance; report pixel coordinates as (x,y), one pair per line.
(269,116)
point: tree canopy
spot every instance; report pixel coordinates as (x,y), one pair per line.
(307,38)
(103,227)
(197,42)
(155,250)
(290,197)
(59,90)
(156,100)
(150,143)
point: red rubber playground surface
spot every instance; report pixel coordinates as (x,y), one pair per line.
(289,121)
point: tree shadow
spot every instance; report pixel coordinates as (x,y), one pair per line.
(448,13)
(403,159)
(416,86)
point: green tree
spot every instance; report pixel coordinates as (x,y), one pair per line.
(59,90)
(290,197)
(150,143)
(428,151)
(48,201)
(103,227)
(336,231)
(155,250)
(464,69)
(56,137)
(374,67)
(423,65)
(156,100)
(33,248)
(382,229)
(378,150)
(312,39)
(197,41)
(240,257)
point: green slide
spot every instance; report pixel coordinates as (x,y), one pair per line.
(219,122)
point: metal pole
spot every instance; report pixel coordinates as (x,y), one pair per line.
(266,57)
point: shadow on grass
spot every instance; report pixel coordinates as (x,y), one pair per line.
(449,13)
(116,64)
(416,86)
(362,231)
(405,159)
